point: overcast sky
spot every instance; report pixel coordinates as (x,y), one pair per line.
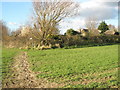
(17,13)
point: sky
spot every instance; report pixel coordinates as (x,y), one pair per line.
(18,12)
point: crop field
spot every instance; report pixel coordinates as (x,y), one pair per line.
(69,68)
(77,68)
(7,60)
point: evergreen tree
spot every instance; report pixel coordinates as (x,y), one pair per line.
(103,27)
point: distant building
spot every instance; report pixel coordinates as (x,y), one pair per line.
(110,32)
(25,30)
(82,30)
(86,32)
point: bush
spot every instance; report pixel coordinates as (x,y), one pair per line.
(77,40)
(116,33)
(60,41)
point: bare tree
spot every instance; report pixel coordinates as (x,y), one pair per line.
(112,27)
(16,32)
(48,14)
(91,23)
(4,31)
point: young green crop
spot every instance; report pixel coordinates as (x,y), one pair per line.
(67,65)
(7,60)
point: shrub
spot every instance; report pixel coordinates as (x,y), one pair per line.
(116,33)
(77,40)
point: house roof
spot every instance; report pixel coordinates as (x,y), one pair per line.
(110,32)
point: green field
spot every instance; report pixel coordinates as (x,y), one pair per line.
(73,68)
(7,60)
(80,67)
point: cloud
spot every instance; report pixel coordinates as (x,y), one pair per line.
(12,23)
(105,0)
(98,8)
(16,0)
(110,4)
(74,23)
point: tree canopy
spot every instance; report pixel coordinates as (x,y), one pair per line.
(103,27)
(48,14)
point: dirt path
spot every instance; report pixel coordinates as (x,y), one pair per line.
(23,77)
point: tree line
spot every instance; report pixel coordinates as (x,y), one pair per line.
(44,28)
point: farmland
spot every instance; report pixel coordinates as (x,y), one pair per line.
(80,67)
(7,60)
(59,44)
(69,68)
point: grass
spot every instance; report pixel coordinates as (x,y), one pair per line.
(7,60)
(73,66)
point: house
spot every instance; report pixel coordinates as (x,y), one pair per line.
(86,32)
(83,32)
(25,30)
(109,32)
